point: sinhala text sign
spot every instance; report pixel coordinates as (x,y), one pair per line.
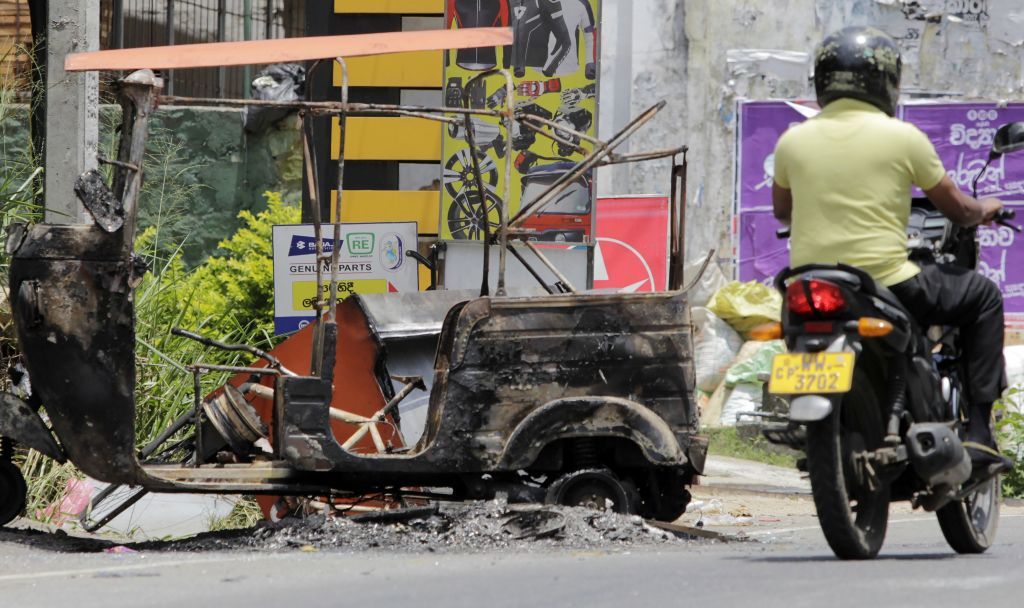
(371,260)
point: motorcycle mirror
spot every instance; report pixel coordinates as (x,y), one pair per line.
(1009,138)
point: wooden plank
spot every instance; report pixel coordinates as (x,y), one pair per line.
(395,139)
(286,50)
(423,70)
(420,206)
(391,7)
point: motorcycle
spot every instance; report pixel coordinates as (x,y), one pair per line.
(875,400)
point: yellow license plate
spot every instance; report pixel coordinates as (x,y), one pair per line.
(811,373)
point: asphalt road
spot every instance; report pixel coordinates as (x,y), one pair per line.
(786,563)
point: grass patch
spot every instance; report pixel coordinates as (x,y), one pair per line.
(728,441)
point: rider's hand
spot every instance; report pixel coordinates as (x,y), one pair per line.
(990,207)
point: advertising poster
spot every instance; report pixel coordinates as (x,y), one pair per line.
(632,243)
(962,134)
(554,63)
(371,260)
(760,255)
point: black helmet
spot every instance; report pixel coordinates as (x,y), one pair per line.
(859,62)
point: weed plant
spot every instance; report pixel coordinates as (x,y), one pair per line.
(1010,426)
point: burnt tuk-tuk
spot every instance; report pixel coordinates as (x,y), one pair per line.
(565,397)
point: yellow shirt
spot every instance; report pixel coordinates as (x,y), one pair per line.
(850,170)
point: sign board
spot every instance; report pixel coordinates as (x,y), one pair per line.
(554,61)
(371,260)
(962,134)
(632,243)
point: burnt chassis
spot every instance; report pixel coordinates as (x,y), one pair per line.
(540,385)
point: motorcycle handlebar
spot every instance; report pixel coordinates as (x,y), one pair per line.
(1007,214)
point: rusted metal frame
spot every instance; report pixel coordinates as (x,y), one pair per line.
(544,260)
(506,116)
(117,163)
(529,268)
(485,281)
(318,107)
(616,159)
(211,367)
(556,138)
(336,210)
(197,411)
(678,222)
(138,100)
(526,121)
(314,211)
(584,166)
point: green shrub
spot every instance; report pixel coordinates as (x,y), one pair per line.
(1011,436)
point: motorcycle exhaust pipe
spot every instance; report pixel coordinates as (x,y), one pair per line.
(939,459)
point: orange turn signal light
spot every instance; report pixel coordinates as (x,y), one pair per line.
(870,327)
(766,332)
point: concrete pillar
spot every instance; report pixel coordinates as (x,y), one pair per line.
(72,106)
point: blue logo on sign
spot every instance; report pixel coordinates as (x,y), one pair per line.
(306,245)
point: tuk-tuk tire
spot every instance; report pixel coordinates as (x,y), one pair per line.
(13,492)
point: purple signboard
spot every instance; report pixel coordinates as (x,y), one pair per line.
(760,126)
(962,134)
(762,254)
(1002,250)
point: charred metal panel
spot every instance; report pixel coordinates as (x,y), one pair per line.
(21,423)
(74,318)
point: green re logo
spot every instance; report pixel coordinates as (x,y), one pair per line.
(360,243)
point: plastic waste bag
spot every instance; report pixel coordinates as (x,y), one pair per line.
(278,82)
(746,305)
(715,346)
(749,369)
(744,398)
(710,282)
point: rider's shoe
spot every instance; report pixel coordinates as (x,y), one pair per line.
(986,461)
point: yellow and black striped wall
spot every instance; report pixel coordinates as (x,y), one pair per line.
(392,165)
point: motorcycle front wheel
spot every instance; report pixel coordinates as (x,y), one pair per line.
(969,525)
(852,515)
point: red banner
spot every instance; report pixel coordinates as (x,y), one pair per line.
(632,243)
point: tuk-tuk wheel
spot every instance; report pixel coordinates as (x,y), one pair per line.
(13,492)
(598,489)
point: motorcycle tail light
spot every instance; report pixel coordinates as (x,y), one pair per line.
(815,296)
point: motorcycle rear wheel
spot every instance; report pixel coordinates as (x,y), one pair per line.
(852,517)
(969,525)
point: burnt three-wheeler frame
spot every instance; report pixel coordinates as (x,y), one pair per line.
(566,396)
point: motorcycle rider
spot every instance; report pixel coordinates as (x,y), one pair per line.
(843,180)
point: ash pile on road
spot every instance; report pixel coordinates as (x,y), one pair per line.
(457,527)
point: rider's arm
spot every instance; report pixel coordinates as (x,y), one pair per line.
(782,203)
(962,209)
(927,172)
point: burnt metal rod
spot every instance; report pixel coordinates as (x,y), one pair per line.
(314,211)
(485,285)
(325,106)
(554,137)
(525,118)
(402,394)
(197,409)
(585,165)
(211,367)
(529,268)
(544,260)
(642,156)
(336,210)
(506,117)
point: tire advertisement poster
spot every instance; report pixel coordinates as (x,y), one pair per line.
(554,64)
(371,259)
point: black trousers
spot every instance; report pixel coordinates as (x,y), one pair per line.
(951,295)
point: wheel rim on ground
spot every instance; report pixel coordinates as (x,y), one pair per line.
(597,489)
